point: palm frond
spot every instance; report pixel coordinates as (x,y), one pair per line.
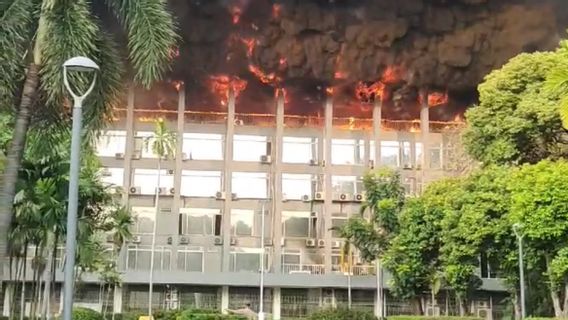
(557,83)
(16,21)
(151,36)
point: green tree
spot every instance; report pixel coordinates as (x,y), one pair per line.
(516,120)
(163,144)
(540,204)
(37,36)
(557,81)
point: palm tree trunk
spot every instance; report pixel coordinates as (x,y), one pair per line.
(15,153)
(23,295)
(154,231)
(47,284)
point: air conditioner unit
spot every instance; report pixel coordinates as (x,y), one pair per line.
(407,166)
(134,190)
(336,244)
(162,190)
(372,164)
(171,172)
(170,240)
(482,304)
(310,243)
(183,240)
(432,311)
(119,155)
(266,159)
(136,155)
(172,191)
(218,241)
(314,163)
(320,196)
(220,195)
(233,241)
(359,197)
(136,239)
(268,242)
(344,197)
(484,313)
(321,243)
(238,122)
(234,196)
(306,198)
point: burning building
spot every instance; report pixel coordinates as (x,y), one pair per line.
(279,108)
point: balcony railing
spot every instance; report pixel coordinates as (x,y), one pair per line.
(358,270)
(303,269)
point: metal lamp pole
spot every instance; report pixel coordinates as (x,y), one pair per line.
(81,64)
(517,230)
(261,306)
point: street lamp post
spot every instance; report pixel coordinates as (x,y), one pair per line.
(261,306)
(80,64)
(518,233)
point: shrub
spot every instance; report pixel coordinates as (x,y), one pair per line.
(342,314)
(166,314)
(197,314)
(431,318)
(86,314)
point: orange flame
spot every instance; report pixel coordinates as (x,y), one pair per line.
(269,78)
(221,84)
(340,75)
(391,75)
(329,90)
(414,129)
(276,10)
(236,12)
(369,93)
(250,43)
(282,61)
(437,98)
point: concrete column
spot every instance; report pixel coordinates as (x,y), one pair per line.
(8,295)
(127,179)
(224,299)
(377,131)
(117,300)
(328,205)
(277,180)
(177,172)
(227,177)
(276,298)
(425,131)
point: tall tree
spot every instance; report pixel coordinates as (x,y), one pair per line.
(37,36)
(516,120)
(163,144)
(557,80)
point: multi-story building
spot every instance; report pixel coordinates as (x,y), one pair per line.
(301,176)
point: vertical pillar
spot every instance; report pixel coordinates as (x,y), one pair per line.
(377,131)
(8,296)
(178,166)
(224,299)
(127,178)
(425,131)
(117,300)
(276,301)
(277,183)
(328,205)
(227,177)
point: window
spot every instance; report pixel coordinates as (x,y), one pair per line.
(435,157)
(299,150)
(346,184)
(390,153)
(143,144)
(294,186)
(250,148)
(298,224)
(147,180)
(113,176)
(253,185)
(190,259)
(200,183)
(347,151)
(336,223)
(406,155)
(203,146)
(145,217)
(419,154)
(200,221)
(242,222)
(408,184)
(246,259)
(138,258)
(110,143)
(291,257)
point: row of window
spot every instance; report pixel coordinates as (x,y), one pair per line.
(202,146)
(244,222)
(244,184)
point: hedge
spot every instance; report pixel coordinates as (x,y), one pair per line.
(196,314)
(431,318)
(342,314)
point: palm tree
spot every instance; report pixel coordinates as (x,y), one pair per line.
(557,82)
(37,36)
(163,144)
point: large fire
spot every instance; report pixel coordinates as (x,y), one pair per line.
(368,93)
(437,99)
(392,75)
(221,84)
